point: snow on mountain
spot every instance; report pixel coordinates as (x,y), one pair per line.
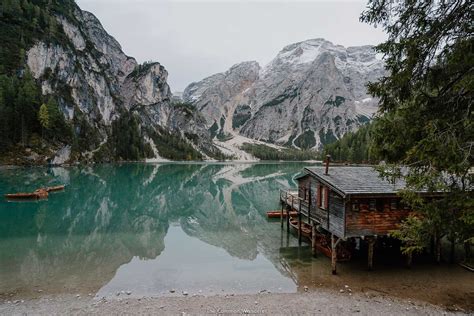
(310,94)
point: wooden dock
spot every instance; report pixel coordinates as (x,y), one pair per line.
(306,225)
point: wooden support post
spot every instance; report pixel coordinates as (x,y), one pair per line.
(281,238)
(370,253)
(281,215)
(309,204)
(438,249)
(409,260)
(453,250)
(313,240)
(288,215)
(299,223)
(333,253)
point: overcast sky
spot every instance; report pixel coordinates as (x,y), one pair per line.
(194,39)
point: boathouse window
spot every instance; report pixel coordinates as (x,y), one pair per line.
(372,205)
(404,206)
(393,205)
(355,206)
(380,205)
(324,197)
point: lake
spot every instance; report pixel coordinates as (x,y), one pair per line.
(194,227)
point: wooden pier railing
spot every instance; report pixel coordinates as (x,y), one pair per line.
(295,203)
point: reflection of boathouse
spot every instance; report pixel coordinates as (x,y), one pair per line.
(343,206)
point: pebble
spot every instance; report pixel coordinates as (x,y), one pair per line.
(129,292)
(256,302)
(185,293)
(346,286)
(16,302)
(341,291)
(172,290)
(162,306)
(305,288)
(78,296)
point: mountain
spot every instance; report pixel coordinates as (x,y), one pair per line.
(111,107)
(310,94)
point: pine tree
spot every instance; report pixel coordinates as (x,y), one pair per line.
(426,115)
(43,117)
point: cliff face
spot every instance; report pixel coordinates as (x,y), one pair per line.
(310,94)
(100,90)
(220,96)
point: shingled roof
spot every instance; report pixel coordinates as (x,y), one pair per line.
(356,180)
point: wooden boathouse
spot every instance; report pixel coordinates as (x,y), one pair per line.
(346,204)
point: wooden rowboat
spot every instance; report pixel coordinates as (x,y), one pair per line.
(38,194)
(55,188)
(306,229)
(277,214)
(323,245)
(322,241)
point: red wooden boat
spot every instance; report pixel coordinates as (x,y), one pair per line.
(323,245)
(277,214)
(55,188)
(38,194)
(323,241)
(306,229)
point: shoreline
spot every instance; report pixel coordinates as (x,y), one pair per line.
(323,302)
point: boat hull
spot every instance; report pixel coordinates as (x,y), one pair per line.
(277,214)
(322,241)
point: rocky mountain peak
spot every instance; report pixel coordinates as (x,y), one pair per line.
(109,98)
(311,93)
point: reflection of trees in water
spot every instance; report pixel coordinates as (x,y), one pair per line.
(111,213)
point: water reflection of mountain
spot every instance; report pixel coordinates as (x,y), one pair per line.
(110,214)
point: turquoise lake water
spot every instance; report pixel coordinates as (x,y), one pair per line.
(147,229)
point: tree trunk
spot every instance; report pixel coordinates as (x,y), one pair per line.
(333,253)
(409,260)
(438,250)
(467,249)
(453,249)
(23,133)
